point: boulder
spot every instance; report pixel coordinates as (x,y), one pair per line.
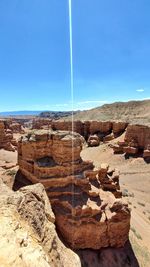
(93,140)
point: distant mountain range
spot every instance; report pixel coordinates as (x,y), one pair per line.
(20,113)
(42,114)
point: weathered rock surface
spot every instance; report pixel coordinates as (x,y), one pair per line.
(6,138)
(41,123)
(86,202)
(14,126)
(102,130)
(87,128)
(136,141)
(27,231)
(119,127)
(93,140)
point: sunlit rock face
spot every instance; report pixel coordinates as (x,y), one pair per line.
(136,141)
(27,231)
(86,128)
(6,138)
(104,130)
(86,201)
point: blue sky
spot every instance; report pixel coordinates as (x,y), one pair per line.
(111,53)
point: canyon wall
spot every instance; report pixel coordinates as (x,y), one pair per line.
(84,128)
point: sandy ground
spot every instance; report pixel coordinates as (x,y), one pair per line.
(135,180)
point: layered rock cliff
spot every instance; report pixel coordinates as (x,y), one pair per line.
(86,201)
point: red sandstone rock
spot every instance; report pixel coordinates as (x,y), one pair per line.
(76,126)
(119,127)
(5,138)
(13,126)
(137,139)
(88,215)
(140,134)
(100,126)
(41,123)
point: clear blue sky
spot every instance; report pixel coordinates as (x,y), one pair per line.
(111,53)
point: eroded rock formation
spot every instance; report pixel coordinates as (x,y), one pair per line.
(41,123)
(27,231)
(6,138)
(87,128)
(86,201)
(136,141)
(104,130)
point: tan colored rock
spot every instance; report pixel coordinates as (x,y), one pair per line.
(146,153)
(108,137)
(130,150)
(117,148)
(88,215)
(27,231)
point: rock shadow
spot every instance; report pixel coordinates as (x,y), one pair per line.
(108,257)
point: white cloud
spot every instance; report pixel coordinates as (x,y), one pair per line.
(140,90)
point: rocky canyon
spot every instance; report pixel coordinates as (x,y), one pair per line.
(83,219)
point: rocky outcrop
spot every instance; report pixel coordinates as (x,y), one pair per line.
(136,141)
(27,231)
(76,126)
(14,126)
(6,138)
(41,123)
(105,130)
(119,127)
(86,201)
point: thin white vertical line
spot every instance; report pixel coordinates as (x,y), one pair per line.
(72,92)
(71,58)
